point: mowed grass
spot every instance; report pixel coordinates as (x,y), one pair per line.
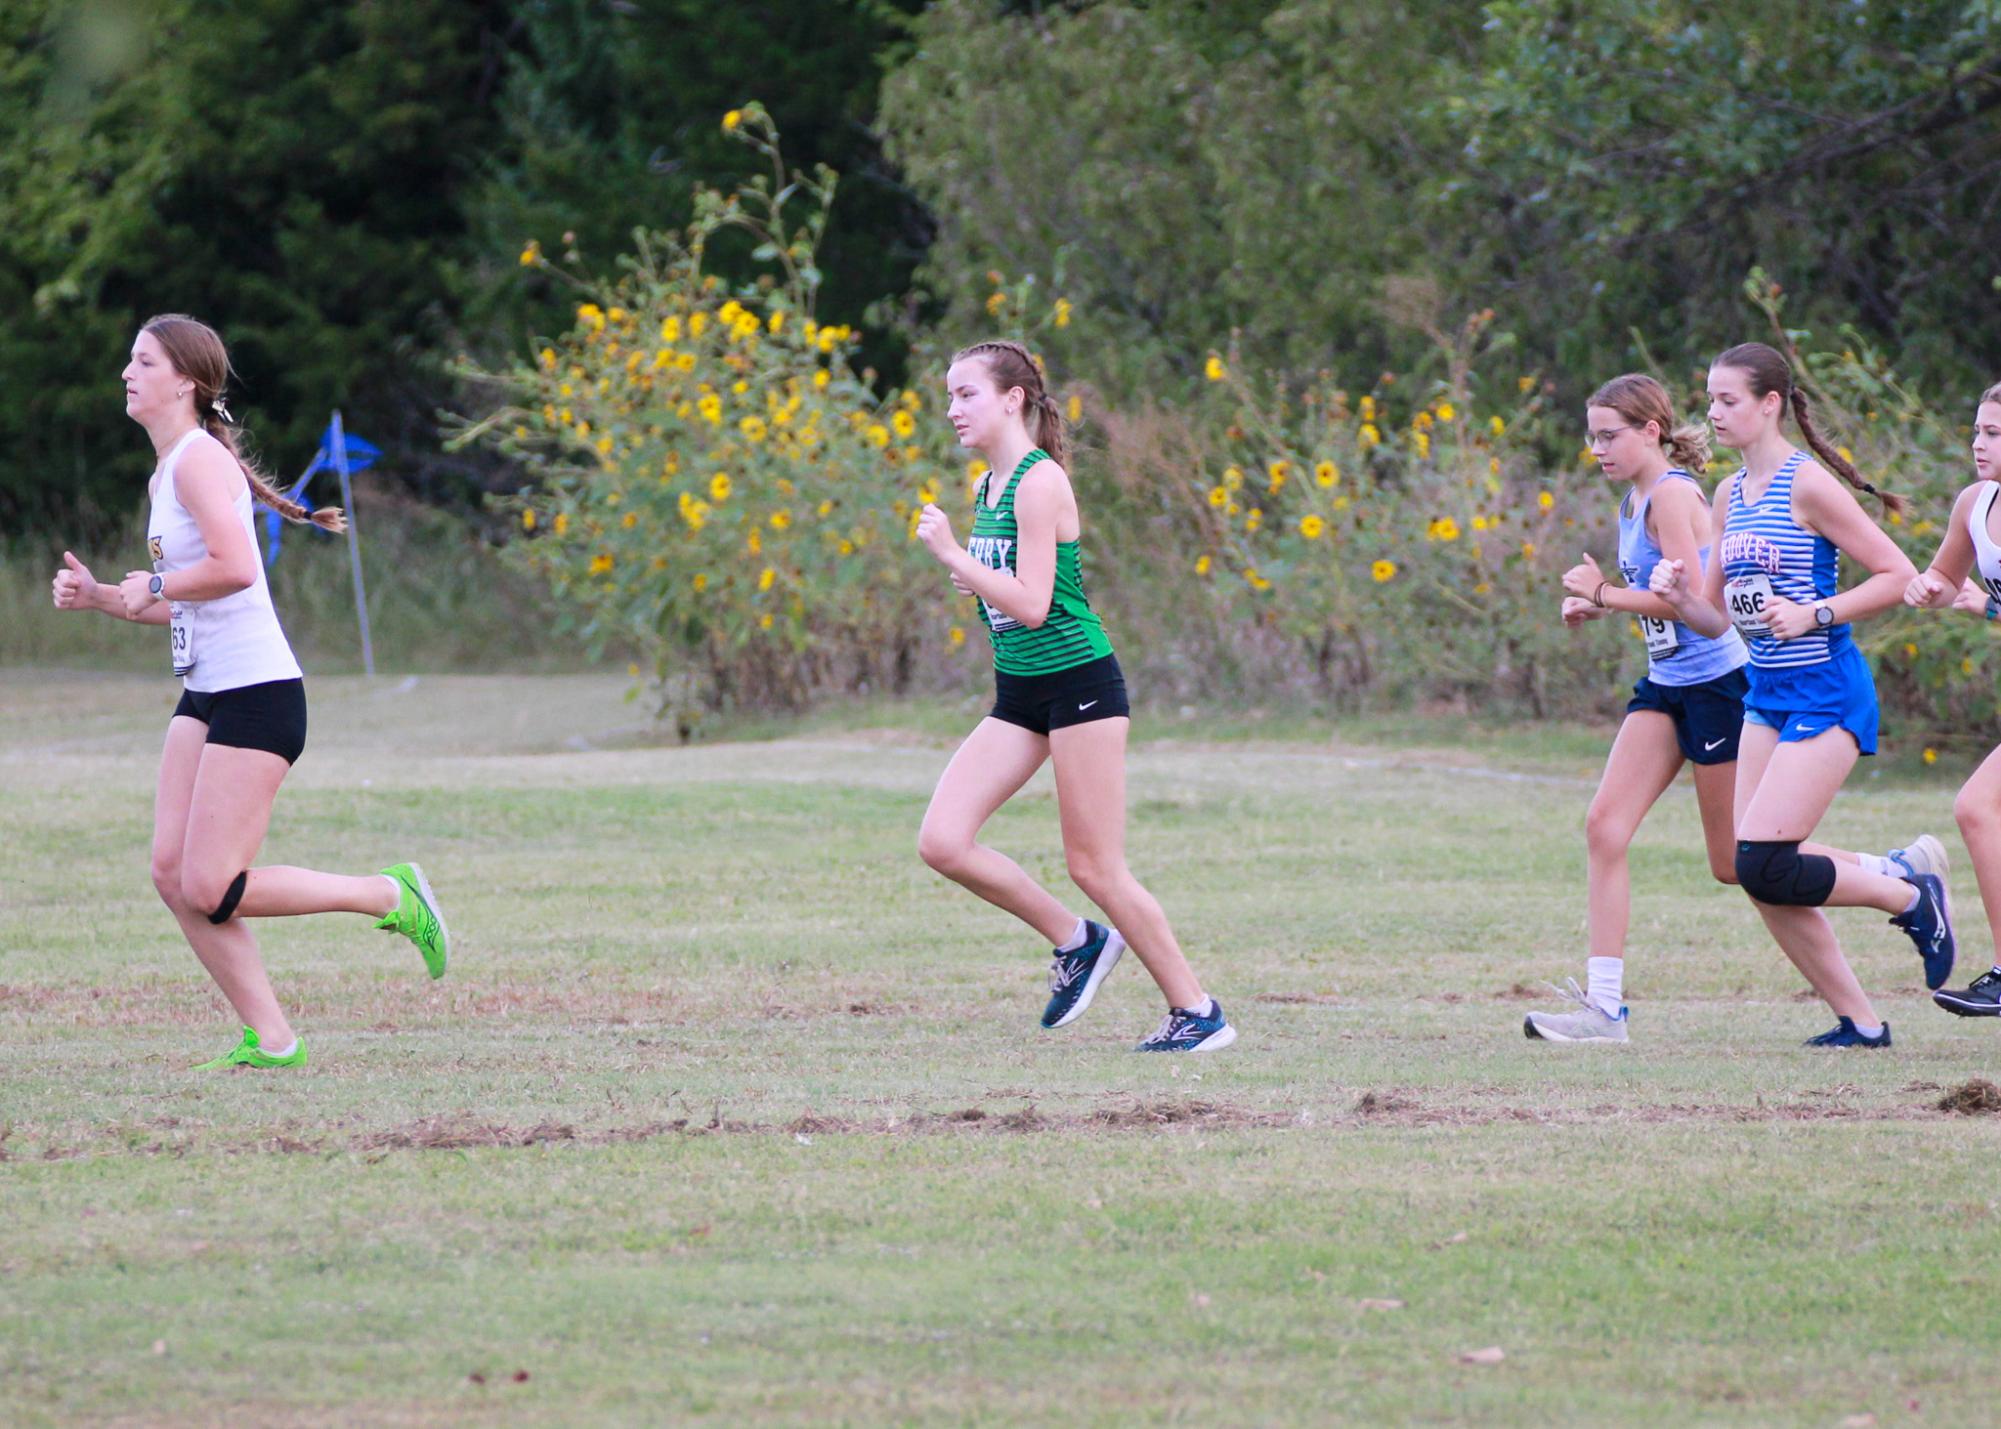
(730,1110)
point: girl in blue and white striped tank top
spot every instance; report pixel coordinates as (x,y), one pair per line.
(1766,553)
(1811,708)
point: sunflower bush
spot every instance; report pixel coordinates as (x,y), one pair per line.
(713,484)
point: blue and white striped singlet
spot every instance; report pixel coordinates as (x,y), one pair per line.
(1767,553)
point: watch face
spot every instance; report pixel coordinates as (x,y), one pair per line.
(1823,615)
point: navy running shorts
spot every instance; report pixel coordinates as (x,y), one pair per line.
(1707,715)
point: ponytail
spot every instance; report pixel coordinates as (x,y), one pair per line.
(1835,462)
(1688,448)
(327,518)
(1050,433)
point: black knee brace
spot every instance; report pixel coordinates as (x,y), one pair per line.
(227,908)
(1779,873)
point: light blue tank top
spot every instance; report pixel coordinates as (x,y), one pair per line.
(1767,553)
(1676,655)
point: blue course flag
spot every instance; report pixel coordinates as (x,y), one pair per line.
(359,456)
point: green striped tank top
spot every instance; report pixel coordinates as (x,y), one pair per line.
(1072,635)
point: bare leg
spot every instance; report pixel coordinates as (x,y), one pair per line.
(227,951)
(1643,762)
(1978,812)
(990,767)
(1715,799)
(1091,794)
(1782,793)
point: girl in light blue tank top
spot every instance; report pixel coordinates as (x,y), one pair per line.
(1810,711)
(1676,655)
(1688,708)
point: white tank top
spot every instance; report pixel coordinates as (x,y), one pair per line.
(1986,555)
(217,644)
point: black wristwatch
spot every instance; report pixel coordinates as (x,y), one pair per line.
(157,585)
(1823,615)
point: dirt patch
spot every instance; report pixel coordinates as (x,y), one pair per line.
(1373,1109)
(1167,1112)
(448,1133)
(1522,992)
(1383,1104)
(1314,999)
(1978,1097)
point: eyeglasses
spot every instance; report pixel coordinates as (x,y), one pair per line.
(1604,438)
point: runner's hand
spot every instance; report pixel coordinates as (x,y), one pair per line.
(1584,578)
(74,587)
(136,591)
(1670,582)
(934,529)
(1927,592)
(1788,619)
(1578,611)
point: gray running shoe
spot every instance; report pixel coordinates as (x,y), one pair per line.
(1924,854)
(1586,1024)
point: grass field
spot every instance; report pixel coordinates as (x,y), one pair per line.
(731,1111)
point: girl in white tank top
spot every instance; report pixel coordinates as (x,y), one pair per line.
(1972,545)
(221,644)
(241,721)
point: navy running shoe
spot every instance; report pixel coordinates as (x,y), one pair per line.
(1182,1031)
(1843,1034)
(1929,925)
(1980,999)
(1074,977)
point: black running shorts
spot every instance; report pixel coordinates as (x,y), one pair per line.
(270,717)
(1078,695)
(1707,716)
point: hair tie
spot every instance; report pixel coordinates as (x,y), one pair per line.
(222,410)
(1870,489)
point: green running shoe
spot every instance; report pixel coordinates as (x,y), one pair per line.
(248,1054)
(417,917)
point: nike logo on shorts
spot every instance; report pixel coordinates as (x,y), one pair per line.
(1712,744)
(1803,728)
(1083,707)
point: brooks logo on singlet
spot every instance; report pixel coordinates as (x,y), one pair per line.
(1763,540)
(1072,635)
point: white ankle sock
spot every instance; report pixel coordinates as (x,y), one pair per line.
(1077,938)
(1877,863)
(285,1051)
(1605,983)
(1869,1031)
(1914,900)
(1207,1009)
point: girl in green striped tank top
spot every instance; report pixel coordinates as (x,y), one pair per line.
(1059,697)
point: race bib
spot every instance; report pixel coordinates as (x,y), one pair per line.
(1745,597)
(181,638)
(1660,637)
(998,620)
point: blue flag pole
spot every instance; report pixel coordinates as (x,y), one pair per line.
(339,446)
